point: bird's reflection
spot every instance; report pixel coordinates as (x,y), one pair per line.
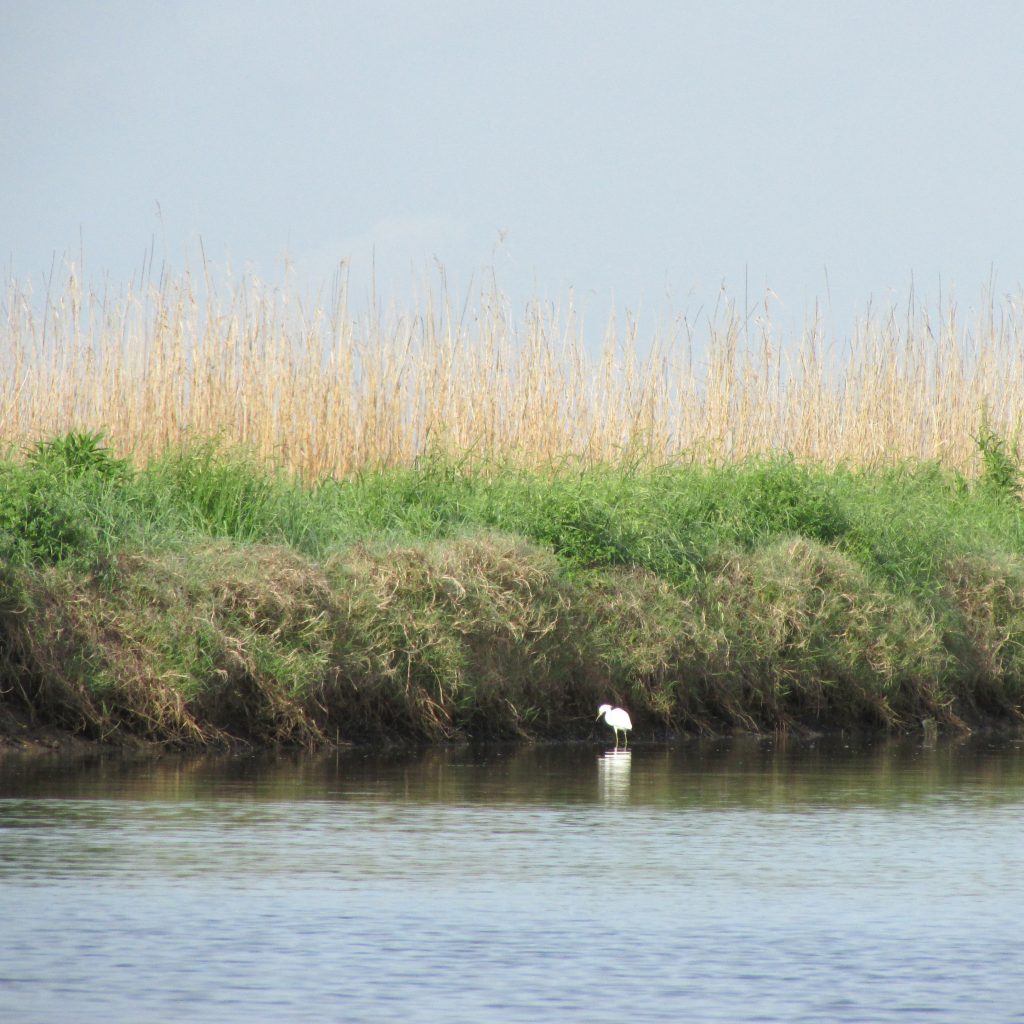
(613,768)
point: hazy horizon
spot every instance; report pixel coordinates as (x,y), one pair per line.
(647,160)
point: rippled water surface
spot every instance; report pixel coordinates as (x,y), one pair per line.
(733,881)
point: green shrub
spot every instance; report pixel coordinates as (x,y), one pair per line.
(1000,462)
(79,454)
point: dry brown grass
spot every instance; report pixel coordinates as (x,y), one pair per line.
(324,392)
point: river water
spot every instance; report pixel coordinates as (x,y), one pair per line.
(747,880)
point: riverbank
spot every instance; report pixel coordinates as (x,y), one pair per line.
(205,600)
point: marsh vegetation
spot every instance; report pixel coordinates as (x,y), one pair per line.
(319,390)
(246,524)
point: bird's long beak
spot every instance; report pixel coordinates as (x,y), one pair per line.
(599,714)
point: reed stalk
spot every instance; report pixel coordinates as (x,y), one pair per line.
(322,391)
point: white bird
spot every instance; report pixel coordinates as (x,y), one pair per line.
(619,720)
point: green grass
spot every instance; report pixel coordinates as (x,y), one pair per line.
(203,598)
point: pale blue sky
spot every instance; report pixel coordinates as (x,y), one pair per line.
(631,151)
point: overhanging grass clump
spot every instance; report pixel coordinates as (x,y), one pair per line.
(807,635)
(203,599)
(479,636)
(985,594)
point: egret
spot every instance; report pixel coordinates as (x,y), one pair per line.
(619,720)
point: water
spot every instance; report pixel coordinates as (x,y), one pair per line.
(734,881)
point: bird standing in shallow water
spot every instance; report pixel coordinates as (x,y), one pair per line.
(619,720)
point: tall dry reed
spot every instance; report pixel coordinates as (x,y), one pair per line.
(323,391)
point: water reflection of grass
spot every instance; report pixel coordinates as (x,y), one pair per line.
(700,774)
